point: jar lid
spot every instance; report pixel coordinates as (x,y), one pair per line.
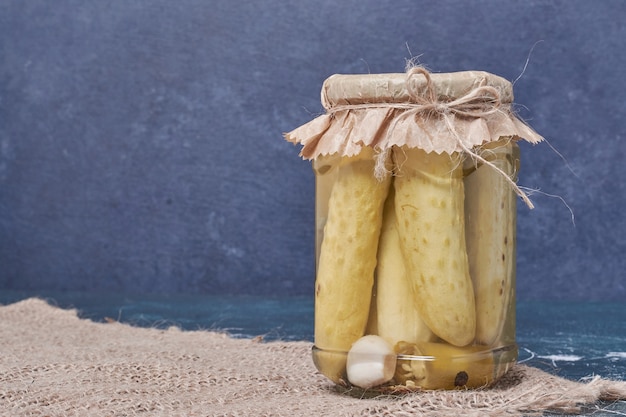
(448,112)
(342,89)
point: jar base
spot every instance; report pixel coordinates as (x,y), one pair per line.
(426,366)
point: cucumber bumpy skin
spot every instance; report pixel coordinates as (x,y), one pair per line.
(395,312)
(490,210)
(431,225)
(347,260)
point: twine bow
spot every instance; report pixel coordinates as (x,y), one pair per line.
(481,102)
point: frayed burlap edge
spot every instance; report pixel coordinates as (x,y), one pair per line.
(522,391)
(52,363)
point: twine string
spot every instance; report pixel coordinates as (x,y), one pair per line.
(480,102)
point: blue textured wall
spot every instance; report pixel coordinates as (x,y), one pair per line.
(141,141)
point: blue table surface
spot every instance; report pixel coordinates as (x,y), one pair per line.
(575,340)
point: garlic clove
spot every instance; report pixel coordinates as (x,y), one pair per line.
(371,362)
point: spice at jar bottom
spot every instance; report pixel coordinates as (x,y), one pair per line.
(415,229)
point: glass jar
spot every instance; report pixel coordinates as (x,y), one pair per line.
(415,244)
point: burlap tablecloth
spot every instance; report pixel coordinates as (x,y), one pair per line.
(54,364)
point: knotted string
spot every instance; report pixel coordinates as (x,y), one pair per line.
(480,102)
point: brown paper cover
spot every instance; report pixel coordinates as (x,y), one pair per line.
(448,112)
